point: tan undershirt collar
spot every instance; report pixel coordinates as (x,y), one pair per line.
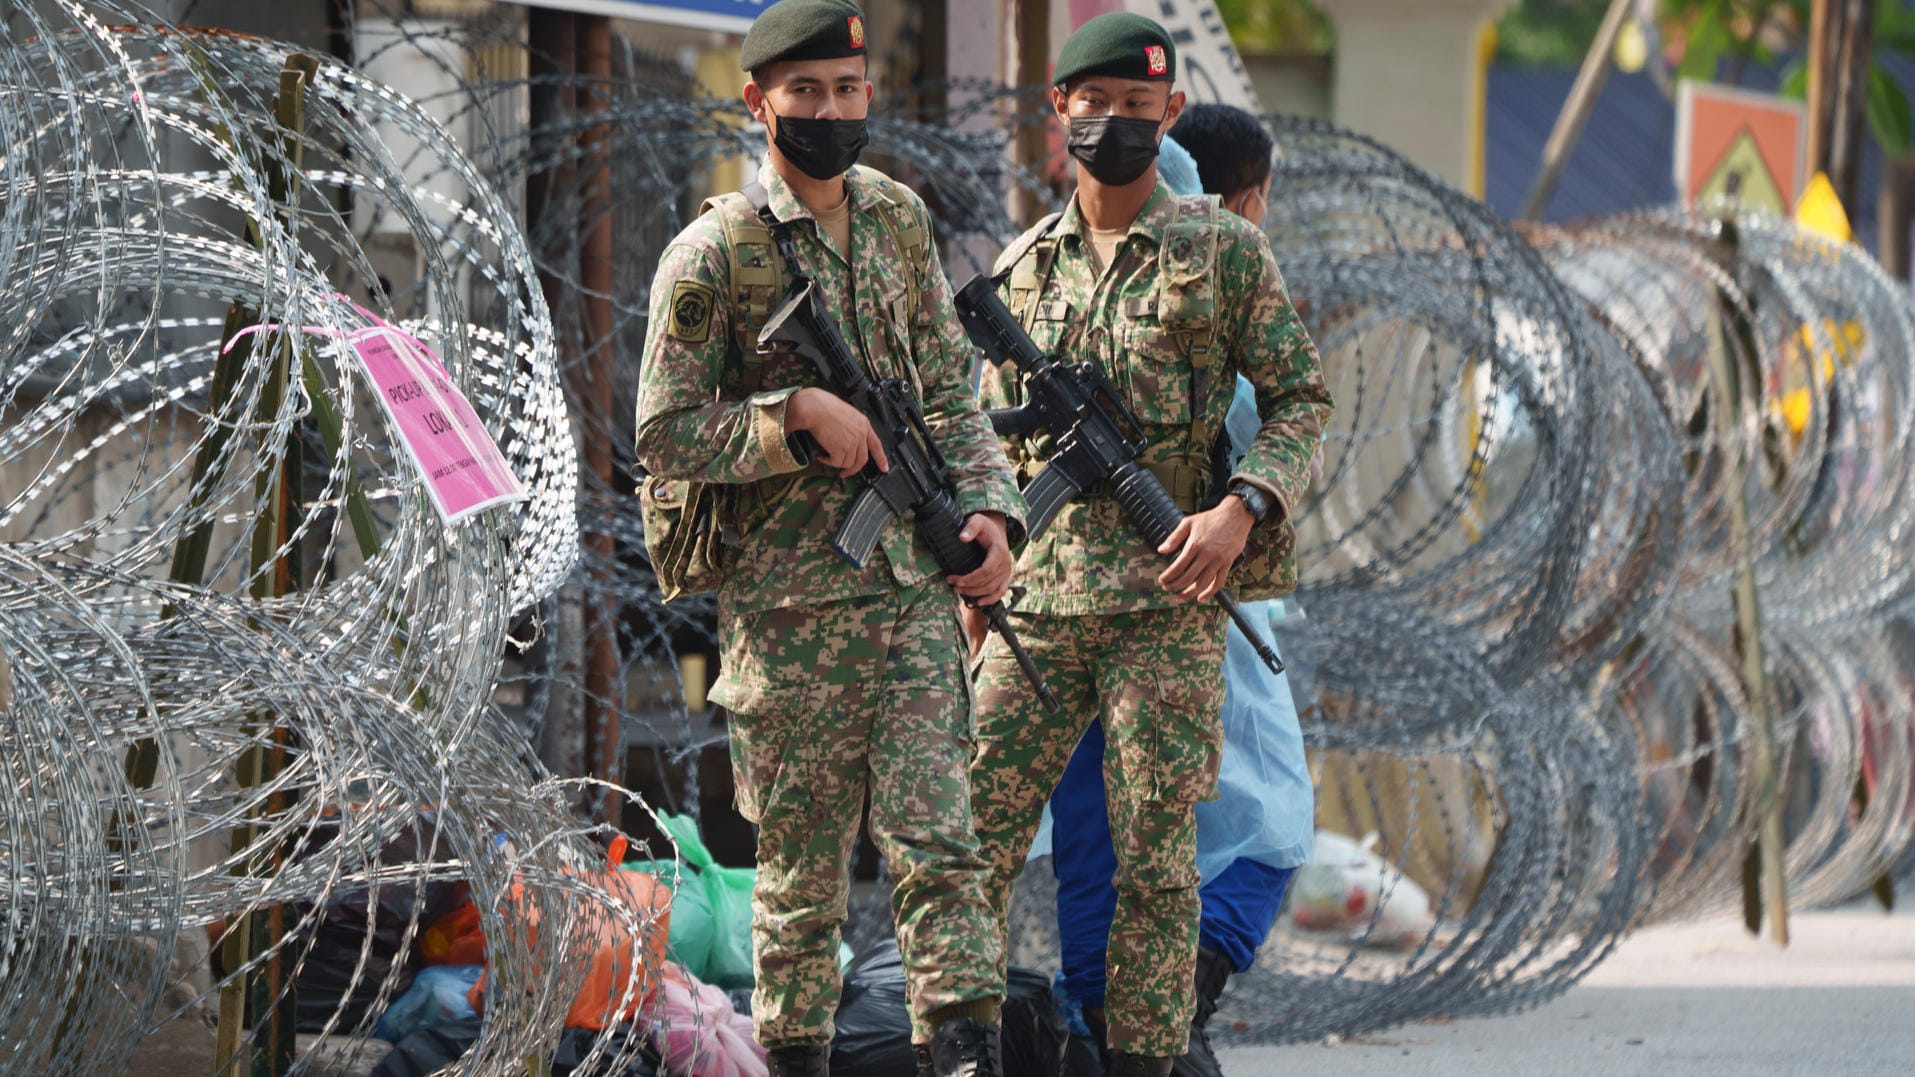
(836,223)
(1104,244)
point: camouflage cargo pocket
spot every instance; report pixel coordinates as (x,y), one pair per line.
(1185,738)
(754,763)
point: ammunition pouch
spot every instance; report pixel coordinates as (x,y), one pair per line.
(683,533)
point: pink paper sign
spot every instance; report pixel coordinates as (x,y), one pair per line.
(463,469)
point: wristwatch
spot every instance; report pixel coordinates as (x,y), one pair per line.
(1253,499)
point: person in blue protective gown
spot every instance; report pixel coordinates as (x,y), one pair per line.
(1259,830)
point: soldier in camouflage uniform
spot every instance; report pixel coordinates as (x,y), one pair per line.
(840,682)
(1173,298)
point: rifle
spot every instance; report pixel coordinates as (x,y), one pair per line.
(1098,439)
(919,482)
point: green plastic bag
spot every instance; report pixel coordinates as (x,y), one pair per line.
(689,943)
(712,937)
(715,951)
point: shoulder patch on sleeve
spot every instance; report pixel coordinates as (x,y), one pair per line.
(691,311)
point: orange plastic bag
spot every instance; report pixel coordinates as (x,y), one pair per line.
(454,939)
(612,966)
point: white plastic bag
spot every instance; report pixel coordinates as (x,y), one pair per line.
(1347,888)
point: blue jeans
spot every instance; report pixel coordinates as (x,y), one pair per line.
(1240,904)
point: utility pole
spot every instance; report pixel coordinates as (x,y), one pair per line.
(1852,54)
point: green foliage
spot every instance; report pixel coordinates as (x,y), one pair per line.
(1711,36)
(1885,108)
(1713,39)
(1548,33)
(1276,26)
(1887,113)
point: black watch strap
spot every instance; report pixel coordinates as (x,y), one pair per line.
(1253,499)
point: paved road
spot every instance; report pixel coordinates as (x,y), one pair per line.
(1674,1001)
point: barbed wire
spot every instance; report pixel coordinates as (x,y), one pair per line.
(224,717)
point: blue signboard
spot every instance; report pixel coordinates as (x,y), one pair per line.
(729,16)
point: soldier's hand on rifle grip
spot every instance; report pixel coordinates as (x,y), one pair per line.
(842,432)
(1206,546)
(987,584)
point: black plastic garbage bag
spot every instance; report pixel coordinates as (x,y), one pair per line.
(429,1050)
(330,980)
(874,1028)
(576,1043)
(1080,1058)
(1034,1033)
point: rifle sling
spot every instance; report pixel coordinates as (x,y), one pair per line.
(760,200)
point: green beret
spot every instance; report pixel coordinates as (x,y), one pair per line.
(1121,45)
(803,30)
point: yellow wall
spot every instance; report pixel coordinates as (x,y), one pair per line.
(718,73)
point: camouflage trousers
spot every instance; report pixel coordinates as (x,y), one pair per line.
(830,703)
(1156,676)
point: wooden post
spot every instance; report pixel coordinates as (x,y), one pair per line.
(1894,213)
(553,40)
(1771,846)
(551,226)
(261,999)
(1575,114)
(1820,18)
(592,395)
(1027,24)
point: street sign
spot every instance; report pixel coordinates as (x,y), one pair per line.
(726,16)
(1739,145)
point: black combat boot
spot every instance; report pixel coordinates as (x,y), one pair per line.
(1213,972)
(964,1048)
(923,1053)
(1125,1064)
(804,1060)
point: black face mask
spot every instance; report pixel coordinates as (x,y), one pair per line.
(1115,149)
(822,149)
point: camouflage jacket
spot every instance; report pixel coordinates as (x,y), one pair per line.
(1090,561)
(700,417)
